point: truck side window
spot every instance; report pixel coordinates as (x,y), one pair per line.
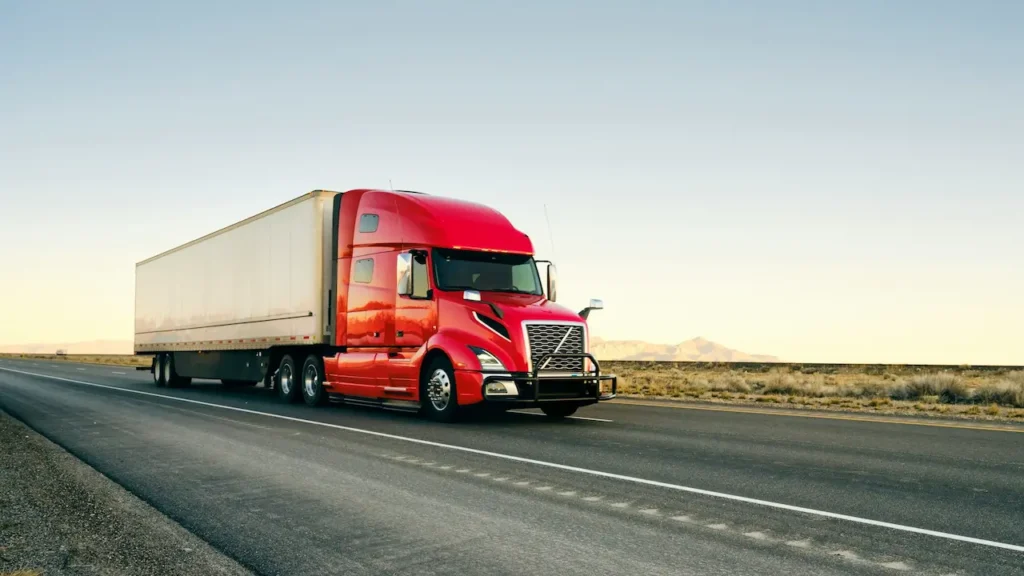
(368,223)
(363,272)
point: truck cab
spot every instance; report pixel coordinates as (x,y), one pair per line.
(440,304)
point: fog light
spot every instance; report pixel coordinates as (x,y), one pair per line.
(499,388)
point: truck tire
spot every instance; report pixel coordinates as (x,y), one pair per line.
(158,370)
(287,379)
(313,392)
(438,396)
(171,376)
(559,411)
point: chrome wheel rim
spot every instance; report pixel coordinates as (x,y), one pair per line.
(285,379)
(158,368)
(310,380)
(439,389)
(166,366)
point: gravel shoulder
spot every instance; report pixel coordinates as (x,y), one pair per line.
(59,516)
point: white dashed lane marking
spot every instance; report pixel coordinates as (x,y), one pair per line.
(119,373)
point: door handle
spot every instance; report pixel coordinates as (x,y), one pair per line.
(401,333)
(376,334)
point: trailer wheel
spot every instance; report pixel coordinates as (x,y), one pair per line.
(158,370)
(559,411)
(287,380)
(171,377)
(313,391)
(438,396)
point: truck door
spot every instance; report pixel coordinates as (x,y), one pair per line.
(371,302)
(415,321)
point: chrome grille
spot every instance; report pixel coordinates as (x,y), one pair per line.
(555,338)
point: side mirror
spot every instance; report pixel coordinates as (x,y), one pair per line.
(404,273)
(552,287)
(595,304)
(552,282)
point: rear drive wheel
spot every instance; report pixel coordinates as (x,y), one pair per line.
(559,411)
(313,392)
(287,380)
(438,396)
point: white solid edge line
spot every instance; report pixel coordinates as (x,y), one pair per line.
(554,465)
(573,417)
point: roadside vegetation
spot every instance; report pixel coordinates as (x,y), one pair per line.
(951,391)
(931,390)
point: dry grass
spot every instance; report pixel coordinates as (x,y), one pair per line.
(22,572)
(950,391)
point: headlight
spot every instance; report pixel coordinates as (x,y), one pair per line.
(487,360)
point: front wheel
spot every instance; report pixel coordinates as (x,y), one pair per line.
(437,391)
(559,411)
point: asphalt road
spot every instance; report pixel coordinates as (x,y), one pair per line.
(634,490)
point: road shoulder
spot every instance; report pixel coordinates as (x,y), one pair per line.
(60,516)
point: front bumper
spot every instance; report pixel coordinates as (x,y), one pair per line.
(533,388)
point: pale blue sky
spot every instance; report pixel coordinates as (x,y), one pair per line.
(819,181)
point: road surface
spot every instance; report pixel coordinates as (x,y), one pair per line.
(286,489)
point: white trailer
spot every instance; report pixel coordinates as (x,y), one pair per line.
(262,282)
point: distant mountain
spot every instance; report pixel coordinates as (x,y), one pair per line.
(695,350)
(91,347)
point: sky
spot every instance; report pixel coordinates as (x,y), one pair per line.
(819,181)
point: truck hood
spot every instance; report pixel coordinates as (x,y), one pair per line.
(519,307)
(515,309)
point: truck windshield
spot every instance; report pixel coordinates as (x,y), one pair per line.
(486,271)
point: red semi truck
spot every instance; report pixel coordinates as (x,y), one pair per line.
(391,298)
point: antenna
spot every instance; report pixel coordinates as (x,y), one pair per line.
(391,185)
(551,237)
